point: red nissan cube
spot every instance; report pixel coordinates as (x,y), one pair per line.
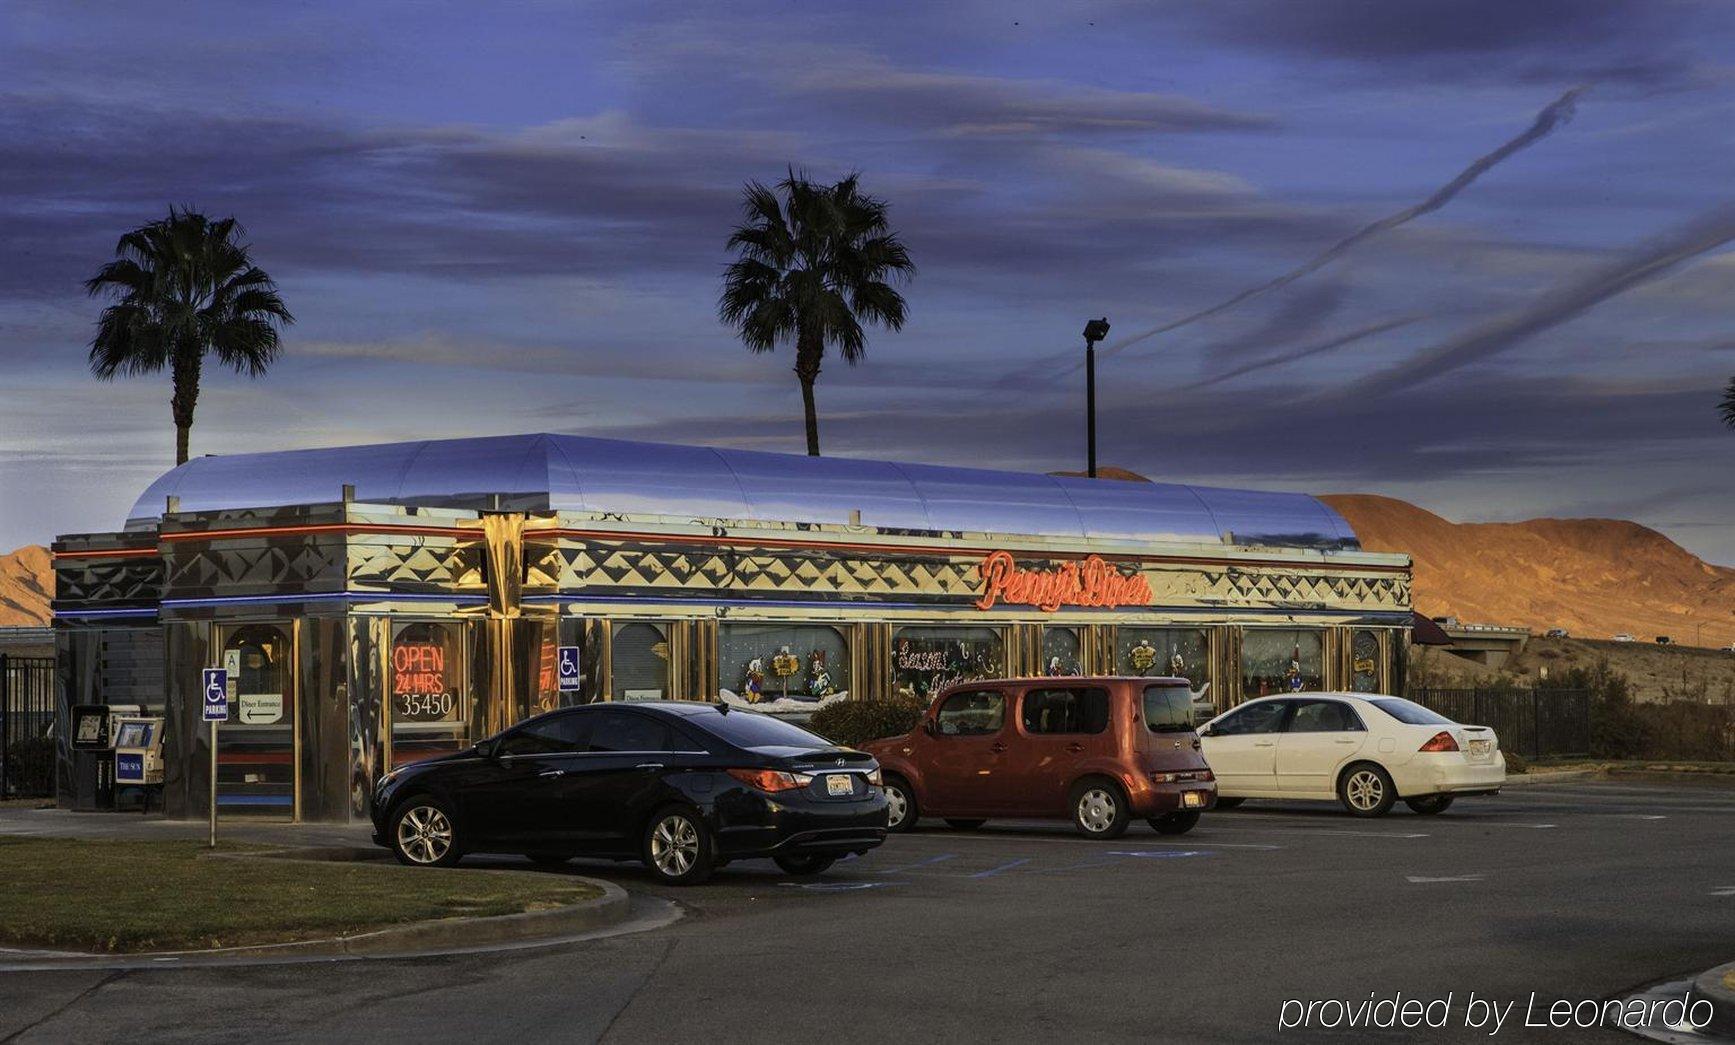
(1097,751)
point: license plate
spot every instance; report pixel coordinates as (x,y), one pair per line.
(1480,748)
(1192,800)
(839,784)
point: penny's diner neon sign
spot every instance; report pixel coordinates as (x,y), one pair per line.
(1092,583)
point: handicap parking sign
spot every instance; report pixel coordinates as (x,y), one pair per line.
(569,664)
(216,695)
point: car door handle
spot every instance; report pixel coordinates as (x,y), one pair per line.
(549,774)
(649,765)
(1346,741)
(1075,748)
(997,747)
(1265,743)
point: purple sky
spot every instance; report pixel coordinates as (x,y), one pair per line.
(514,221)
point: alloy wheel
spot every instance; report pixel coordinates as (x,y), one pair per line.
(425,835)
(1365,789)
(1096,810)
(675,845)
(897,807)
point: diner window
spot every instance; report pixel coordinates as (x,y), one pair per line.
(1364,666)
(255,751)
(1065,711)
(639,661)
(926,660)
(426,687)
(803,663)
(1281,660)
(1061,652)
(1174,652)
(972,713)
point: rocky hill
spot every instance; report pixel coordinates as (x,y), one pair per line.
(1593,577)
(26,586)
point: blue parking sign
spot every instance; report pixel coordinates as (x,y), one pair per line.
(570,675)
(216,684)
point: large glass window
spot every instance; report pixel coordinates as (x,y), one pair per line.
(256,749)
(1364,666)
(1178,652)
(972,713)
(1060,651)
(1281,660)
(1065,711)
(425,687)
(806,663)
(926,660)
(639,661)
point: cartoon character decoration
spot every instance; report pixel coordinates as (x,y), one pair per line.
(1178,665)
(1143,656)
(785,664)
(819,679)
(1292,677)
(755,686)
(1054,666)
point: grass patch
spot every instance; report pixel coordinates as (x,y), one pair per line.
(110,896)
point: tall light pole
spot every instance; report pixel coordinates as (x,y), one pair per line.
(1094,331)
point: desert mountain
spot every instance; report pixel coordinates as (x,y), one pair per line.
(1593,577)
(26,586)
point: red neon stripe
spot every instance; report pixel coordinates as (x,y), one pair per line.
(117,553)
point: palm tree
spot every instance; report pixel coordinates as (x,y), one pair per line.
(813,265)
(183,287)
(1727,406)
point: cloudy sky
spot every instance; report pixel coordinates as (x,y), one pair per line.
(510,217)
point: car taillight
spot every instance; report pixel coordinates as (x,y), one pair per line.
(1441,741)
(1186,774)
(771,779)
(876,778)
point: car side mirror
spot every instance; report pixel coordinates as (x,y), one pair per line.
(928,727)
(1207,731)
(489,749)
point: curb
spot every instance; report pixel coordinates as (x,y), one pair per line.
(1534,778)
(1718,986)
(417,939)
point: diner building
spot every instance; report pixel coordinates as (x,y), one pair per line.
(379,604)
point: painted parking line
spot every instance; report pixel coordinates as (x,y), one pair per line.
(1067,840)
(992,871)
(1726,890)
(1425,880)
(919,863)
(1333,831)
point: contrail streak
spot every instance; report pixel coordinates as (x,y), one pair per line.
(1557,113)
(1302,353)
(1705,233)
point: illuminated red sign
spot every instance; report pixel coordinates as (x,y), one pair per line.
(1092,582)
(418,668)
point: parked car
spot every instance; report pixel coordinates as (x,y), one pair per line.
(1623,637)
(1097,751)
(1365,750)
(1664,640)
(1557,633)
(685,787)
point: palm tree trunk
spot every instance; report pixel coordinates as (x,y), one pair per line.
(186,367)
(807,357)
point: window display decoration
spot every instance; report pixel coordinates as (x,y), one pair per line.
(783,665)
(927,660)
(1061,652)
(1281,661)
(807,665)
(1143,655)
(755,682)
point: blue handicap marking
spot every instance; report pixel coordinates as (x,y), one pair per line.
(570,675)
(836,887)
(1158,854)
(216,686)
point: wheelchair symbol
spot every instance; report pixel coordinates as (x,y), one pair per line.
(569,665)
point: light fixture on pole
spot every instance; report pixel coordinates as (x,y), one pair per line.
(1094,331)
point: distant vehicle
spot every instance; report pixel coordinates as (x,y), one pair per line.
(1097,751)
(1664,640)
(1366,750)
(685,787)
(1557,633)
(1623,637)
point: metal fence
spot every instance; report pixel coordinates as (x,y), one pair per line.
(26,726)
(1532,722)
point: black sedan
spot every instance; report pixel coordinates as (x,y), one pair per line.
(685,787)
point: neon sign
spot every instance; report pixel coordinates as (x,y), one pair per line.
(1092,582)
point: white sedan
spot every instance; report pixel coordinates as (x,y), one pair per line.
(1364,749)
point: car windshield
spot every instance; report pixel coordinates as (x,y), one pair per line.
(1410,712)
(752,730)
(1168,709)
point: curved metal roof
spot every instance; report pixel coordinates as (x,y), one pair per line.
(577,473)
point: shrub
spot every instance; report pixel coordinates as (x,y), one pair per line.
(30,764)
(1515,762)
(854,722)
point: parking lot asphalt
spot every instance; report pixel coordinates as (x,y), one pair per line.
(1022,931)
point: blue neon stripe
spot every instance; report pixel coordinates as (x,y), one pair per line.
(146,612)
(254,800)
(324,596)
